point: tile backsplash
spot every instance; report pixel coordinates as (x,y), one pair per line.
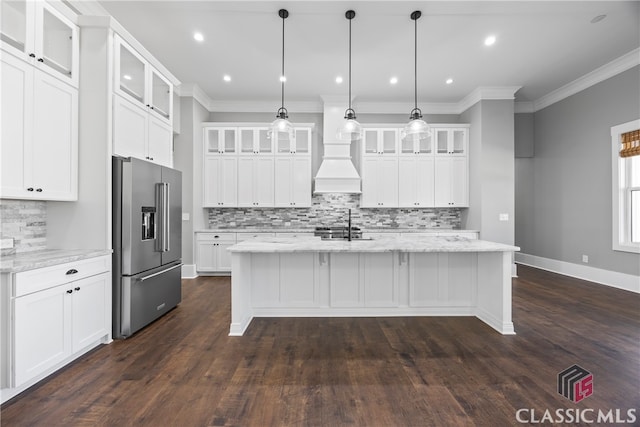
(331,210)
(25,222)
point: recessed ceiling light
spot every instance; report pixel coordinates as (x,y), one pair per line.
(449,81)
(393,80)
(598,18)
(339,79)
(283,79)
(127,77)
(198,37)
(226,78)
(489,40)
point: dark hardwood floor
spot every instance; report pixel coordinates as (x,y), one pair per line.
(184,370)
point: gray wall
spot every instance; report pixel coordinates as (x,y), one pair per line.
(564,191)
(491,170)
(187,157)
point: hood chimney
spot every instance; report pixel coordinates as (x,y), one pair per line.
(337,173)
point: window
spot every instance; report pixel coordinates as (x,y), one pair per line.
(625,156)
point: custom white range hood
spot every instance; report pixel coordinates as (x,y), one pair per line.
(337,173)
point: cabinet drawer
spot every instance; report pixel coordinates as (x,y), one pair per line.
(228,237)
(241,237)
(287,234)
(27,282)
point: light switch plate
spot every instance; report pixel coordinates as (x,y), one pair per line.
(503,217)
(185,216)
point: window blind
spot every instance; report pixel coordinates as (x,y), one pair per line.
(630,143)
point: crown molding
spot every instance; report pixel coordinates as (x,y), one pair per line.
(598,75)
(487,93)
(263,106)
(194,91)
(87,7)
(405,108)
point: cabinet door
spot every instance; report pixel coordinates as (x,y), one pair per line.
(451,182)
(130,73)
(443,182)
(388,182)
(303,141)
(282,182)
(407,182)
(42,322)
(160,142)
(245,182)
(220,140)
(220,182)
(301,181)
(380,280)
(370,177)
(55,139)
(161,96)
(17,26)
(91,309)
(129,129)
(263,186)
(57,44)
(223,256)
(17,124)
(424,178)
(206,256)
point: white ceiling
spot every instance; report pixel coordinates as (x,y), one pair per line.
(541,45)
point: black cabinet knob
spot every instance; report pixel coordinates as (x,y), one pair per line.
(32,55)
(39,190)
(72,271)
(77,288)
(40,60)
(30,189)
(69,291)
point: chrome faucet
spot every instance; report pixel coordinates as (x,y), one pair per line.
(349,227)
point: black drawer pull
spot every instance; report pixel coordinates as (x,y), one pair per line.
(70,291)
(72,271)
(76,288)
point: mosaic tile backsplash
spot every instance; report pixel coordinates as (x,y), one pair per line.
(26,223)
(331,210)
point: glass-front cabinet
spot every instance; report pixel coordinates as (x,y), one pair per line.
(301,144)
(255,140)
(220,140)
(380,141)
(139,82)
(411,145)
(40,34)
(451,141)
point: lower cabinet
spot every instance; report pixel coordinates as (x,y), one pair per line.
(51,316)
(211,252)
(51,325)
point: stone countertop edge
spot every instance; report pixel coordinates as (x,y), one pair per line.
(25,261)
(391,244)
(311,230)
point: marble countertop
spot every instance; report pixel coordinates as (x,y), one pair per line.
(310,230)
(384,244)
(45,258)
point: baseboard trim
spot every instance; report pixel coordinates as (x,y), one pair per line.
(628,282)
(189,271)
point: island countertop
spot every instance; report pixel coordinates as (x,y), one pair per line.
(382,244)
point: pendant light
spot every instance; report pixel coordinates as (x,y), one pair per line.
(417,129)
(281,125)
(350,130)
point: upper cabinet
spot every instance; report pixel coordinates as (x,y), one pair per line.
(143,108)
(255,140)
(412,173)
(301,144)
(36,32)
(39,115)
(222,140)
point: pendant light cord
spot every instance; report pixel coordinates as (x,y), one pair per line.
(349,64)
(282,75)
(415,62)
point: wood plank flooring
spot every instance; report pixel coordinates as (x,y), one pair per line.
(184,370)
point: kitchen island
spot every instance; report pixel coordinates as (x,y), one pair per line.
(310,277)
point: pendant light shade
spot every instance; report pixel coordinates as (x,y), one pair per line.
(417,129)
(350,130)
(281,126)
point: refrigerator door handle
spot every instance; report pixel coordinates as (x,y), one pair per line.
(142,279)
(162,191)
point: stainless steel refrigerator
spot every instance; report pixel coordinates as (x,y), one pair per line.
(147,243)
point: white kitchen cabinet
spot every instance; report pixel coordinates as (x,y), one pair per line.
(243,235)
(383,141)
(451,181)
(211,252)
(416,181)
(38,33)
(300,145)
(53,315)
(410,145)
(143,107)
(450,140)
(292,181)
(220,187)
(255,181)
(138,134)
(220,140)
(139,82)
(379,182)
(255,140)
(39,134)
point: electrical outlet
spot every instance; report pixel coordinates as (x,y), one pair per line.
(185,216)
(585,259)
(503,217)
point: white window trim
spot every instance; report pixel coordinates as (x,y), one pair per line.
(621,221)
